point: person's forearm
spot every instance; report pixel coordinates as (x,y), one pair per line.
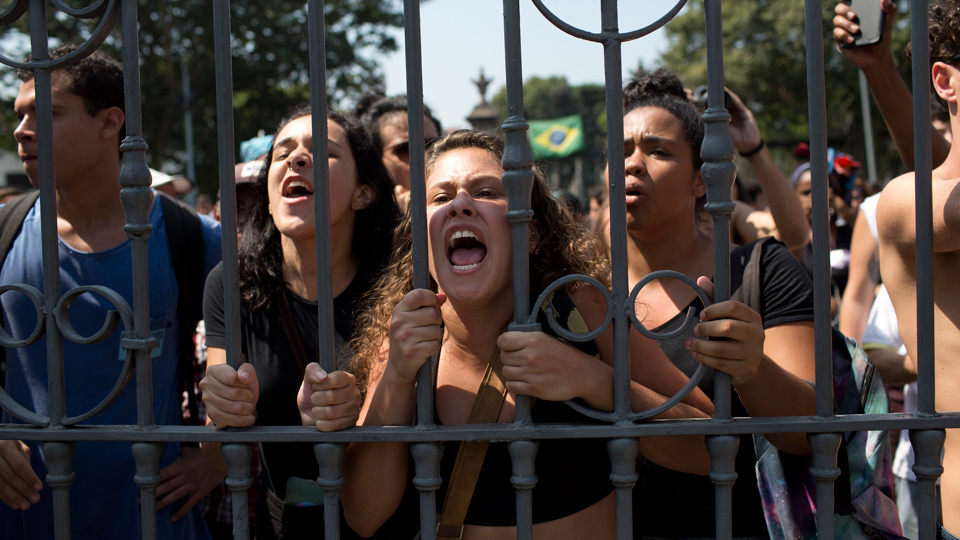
(895,102)
(895,369)
(681,453)
(775,391)
(213,455)
(792,226)
(376,473)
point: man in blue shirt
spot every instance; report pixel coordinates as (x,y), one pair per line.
(88,125)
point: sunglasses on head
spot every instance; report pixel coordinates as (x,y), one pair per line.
(402,150)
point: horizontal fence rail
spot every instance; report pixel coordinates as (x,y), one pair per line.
(623,427)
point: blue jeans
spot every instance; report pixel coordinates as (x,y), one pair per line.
(945,534)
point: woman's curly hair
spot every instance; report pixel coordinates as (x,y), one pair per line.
(565,248)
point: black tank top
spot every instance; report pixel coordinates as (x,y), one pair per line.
(573,474)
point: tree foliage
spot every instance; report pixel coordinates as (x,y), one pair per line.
(764,62)
(553,97)
(270,46)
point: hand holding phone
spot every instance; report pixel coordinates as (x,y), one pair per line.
(871,18)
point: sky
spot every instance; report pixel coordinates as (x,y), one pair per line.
(459,37)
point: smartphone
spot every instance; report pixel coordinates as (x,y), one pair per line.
(871,19)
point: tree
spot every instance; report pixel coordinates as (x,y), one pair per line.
(270,45)
(553,97)
(764,62)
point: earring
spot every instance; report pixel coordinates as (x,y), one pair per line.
(356,205)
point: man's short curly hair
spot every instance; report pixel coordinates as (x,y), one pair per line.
(944,25)
(97,79)
(945,32)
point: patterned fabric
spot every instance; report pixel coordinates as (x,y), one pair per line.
(789,491)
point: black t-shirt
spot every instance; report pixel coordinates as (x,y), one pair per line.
(266,346)
(670,503)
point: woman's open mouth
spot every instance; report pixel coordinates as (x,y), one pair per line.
(633,195)
(296,189)
(465,251)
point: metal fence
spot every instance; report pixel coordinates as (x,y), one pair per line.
(621,427)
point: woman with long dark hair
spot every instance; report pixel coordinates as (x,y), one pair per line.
(279,320)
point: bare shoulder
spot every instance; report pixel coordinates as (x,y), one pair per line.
(896,211)
(590,302)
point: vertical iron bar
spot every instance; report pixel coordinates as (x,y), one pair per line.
(817,111)
(623,452)
(718,172)
(146,456)
(613,80)
(228,185)
(48,212)
(238,456)
(329,455)
(59,456)
(321,186)
(330,458)
(822,447)
(823,451)
(137,198)
(426,456)
(623,475)
(928,444)
(723,474)
(518,182)
(524,478)
(426,460)
(927,447)
(60,475)
(920,36)
(421,276)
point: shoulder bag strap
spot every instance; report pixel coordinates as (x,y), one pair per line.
(466,469)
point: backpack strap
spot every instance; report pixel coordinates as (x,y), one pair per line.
(11,221)
(749,293)
(749,290)
(185,239)
(12,215)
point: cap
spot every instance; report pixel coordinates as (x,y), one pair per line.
(158,178)
(248,172)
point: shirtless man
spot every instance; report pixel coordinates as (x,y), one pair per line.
(897,227)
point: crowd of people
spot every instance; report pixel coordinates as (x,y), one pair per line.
(386,329)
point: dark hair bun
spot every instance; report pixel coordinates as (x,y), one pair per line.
(647,86)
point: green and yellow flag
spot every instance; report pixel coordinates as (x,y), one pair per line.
(557,138)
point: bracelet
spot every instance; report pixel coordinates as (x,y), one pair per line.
(755,151)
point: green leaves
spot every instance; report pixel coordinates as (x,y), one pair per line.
(764,62)
(270,44)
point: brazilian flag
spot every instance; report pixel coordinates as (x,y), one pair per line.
(557,138)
